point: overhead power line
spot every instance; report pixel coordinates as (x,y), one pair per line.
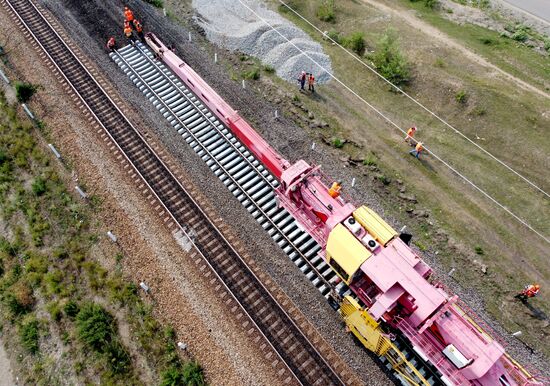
(492,199)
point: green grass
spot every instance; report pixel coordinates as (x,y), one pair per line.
(513,57)
(46,269)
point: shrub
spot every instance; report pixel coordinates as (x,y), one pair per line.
(479,250)
(269,69)
(334,35)
(39,186)
(29,335)
(431,3)
(156,3)
(20,300)
(71,309)
(547,44)
(95,326)
(520,35)
(355,42)
(24,91)
(117,357)
(325,12)
(461,97)
(252,74)
(190,375)
(389,61)
(370,160)
(338,143)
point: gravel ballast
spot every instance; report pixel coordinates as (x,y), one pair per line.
(285,47)
(91,23)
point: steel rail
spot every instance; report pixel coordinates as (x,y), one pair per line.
(72,56)
(229,175)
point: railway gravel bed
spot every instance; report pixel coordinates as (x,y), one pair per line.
(91,24)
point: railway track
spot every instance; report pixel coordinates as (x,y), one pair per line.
(299,358)
(241,173)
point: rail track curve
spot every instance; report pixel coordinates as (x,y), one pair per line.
(299,357)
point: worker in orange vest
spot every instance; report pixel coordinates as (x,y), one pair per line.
(530,291)
(410,134)
(334,190)
(311,83)
(129,15)
(419,148)
(127,30)
(139,28)
(111,44)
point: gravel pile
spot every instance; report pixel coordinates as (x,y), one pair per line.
(287,49)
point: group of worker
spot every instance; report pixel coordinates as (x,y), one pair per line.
(130,24)
(309,78)
(418,146)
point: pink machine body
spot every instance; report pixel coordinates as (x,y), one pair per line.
(393,281)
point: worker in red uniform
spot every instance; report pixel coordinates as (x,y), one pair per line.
(111,44)
(127,30)
(139,28)
(419,148)
(530,291)
(129,16)
(410,134)
(334,190)
(311,83)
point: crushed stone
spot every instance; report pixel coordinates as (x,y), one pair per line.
(284,47)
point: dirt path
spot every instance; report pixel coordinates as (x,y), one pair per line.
(6,376)
(411,19)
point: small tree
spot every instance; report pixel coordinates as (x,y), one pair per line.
(325,12)
(355,42)
(389,61)
(24,91)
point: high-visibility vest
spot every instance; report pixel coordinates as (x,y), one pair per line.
(419,147)
(311,79)
(129,15)
(334,190)
(128,32)
(138,27)
(410,132)
(111,43)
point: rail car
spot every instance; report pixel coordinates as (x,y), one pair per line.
(391,285)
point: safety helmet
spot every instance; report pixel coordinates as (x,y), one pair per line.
(125,8)
(537,286)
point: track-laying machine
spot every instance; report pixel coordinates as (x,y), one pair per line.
(391,290)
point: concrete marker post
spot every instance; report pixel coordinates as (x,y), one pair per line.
(189,36)
(144,287)
(451,272)
(113,238)
(353,182)
(81,192)
(54,150)
(276,114)
(215,57)
(313,146)
(244,85)
(3,76)
(28,111)
(517,333)
(164,11)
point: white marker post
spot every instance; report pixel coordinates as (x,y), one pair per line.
(244,85)
(54,150)
(517,333)
(112,236)
(276,114)
(215,57)
(81,192)
(451,272)
(144,287)
(164,11)
(189,36)
(313,146)
(353,182)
